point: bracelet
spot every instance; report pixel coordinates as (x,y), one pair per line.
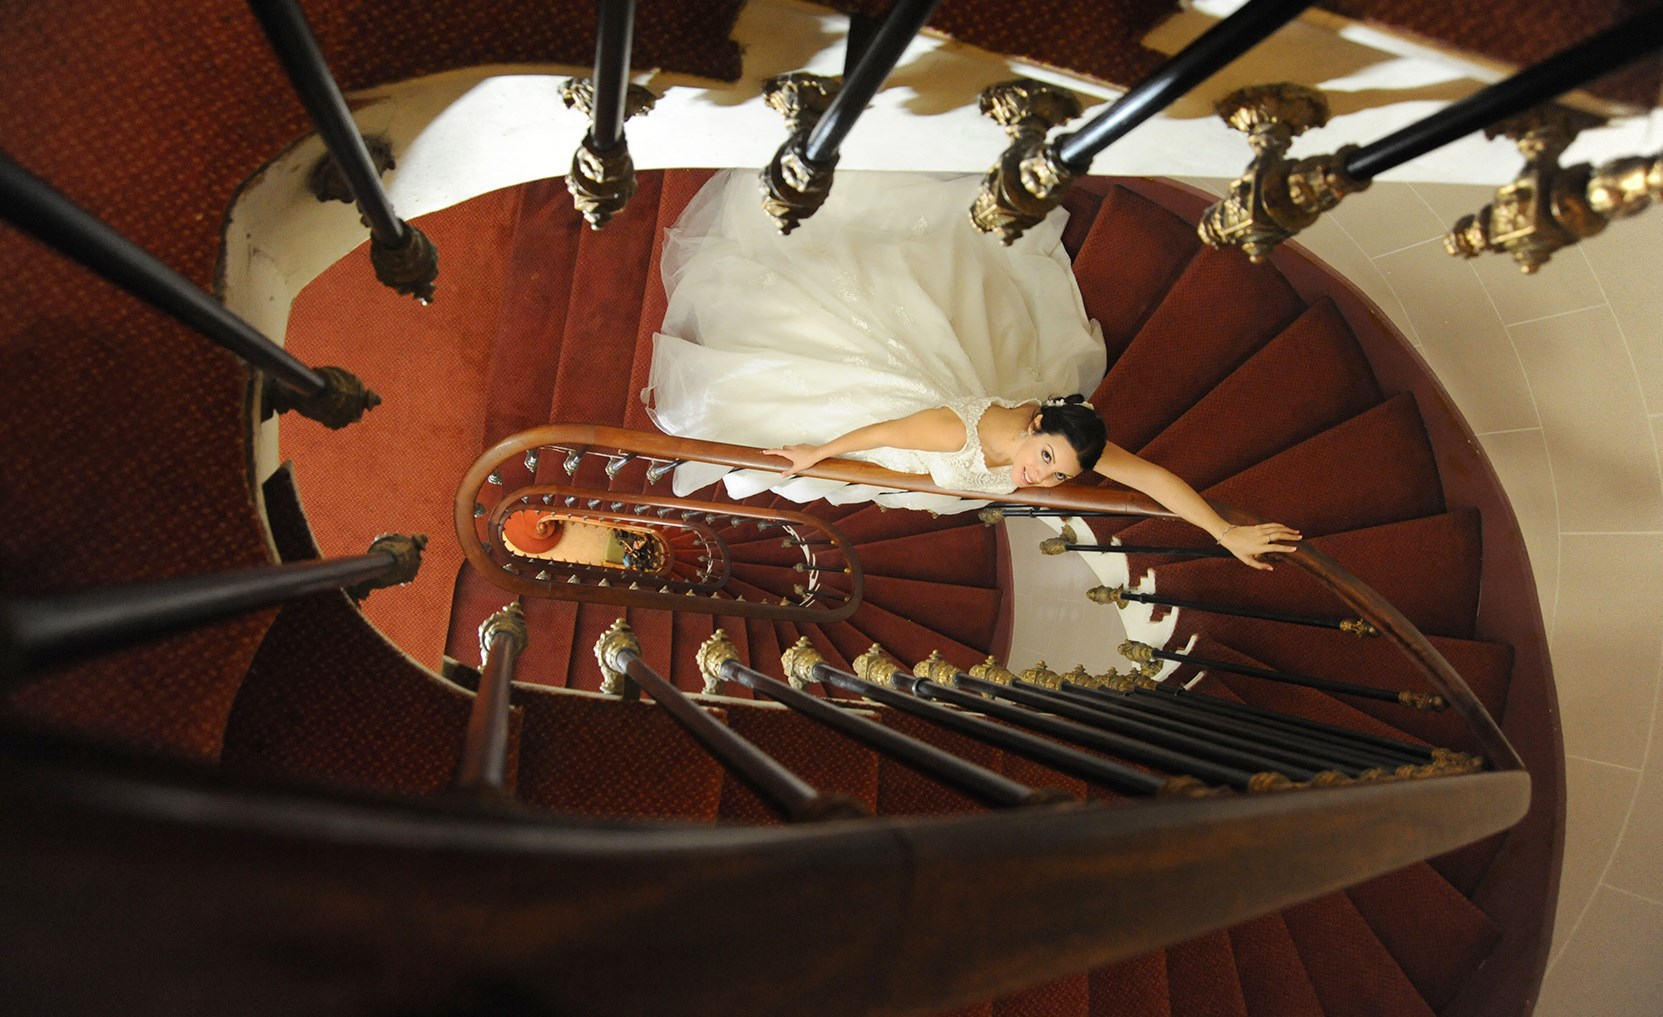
(1226,532)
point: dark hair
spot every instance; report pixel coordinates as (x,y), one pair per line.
(1073,419)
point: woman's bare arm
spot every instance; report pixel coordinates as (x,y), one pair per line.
(932,430)
(1182,500)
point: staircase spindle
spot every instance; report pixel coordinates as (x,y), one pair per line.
(404,259)
(48,630)
(1350,753)
(1119,596)
(602,178)
(330,395)
(1032,176)
(484,765)
(619,655)
(799,177)
(885,682)
(719,662)
(1142,653)
(1408,751)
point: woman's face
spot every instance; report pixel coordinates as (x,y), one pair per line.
(1043,460)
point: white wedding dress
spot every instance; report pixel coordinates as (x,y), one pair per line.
(887,301)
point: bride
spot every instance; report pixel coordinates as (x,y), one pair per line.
(887,320)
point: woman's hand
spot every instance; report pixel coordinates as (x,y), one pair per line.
(801,456)
(1248,542)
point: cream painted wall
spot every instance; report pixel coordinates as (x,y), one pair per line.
(1561,377)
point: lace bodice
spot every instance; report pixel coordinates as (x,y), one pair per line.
(965,470)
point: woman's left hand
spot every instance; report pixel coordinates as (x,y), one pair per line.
(1248,542)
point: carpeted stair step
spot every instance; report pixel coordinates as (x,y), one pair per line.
(1293,700)
(1321,653)
(593,755)
(1269,973)
(909,642)
(1193,341)
(1428,568)
(379,723)
(1201,978)
(1318,486)
(1436,935)
(1132,988)
(1310,377)
(1131,253)
(527,348)
(610,277)
(959,555)
(964,614)
(1064,997)
(548,652)
(903,791)
(828,761)
(1352,972)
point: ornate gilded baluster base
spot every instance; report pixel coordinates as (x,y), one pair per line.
(1030,178)
(1275,198)
(344,401)
(326,181)
(1551,206)
(602,180)
(406,552)
(793,186)
(408,269)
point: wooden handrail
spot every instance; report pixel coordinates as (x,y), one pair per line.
(1394,627)
(497,895)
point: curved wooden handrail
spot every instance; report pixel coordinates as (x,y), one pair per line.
(1373,608)
(549,905)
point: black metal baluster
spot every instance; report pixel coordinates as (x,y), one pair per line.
(1409,753)
(1143,653)
(602,178)
(781,790)
(799,177)
(1252,762)
(404,258)
(1120,596)
(719,661)
(1350,754)
(1605,52)
(1284,749)
(327,394)
(484,764)
(37,632)
(805,667)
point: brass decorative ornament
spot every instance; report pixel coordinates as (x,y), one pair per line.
(936,668)
(1268,780)
(408,269)
(877,666)
(1030,178)
(615,640)
(1422,700)
(1078,676)
(1359,627)
(1059,544)
(1275,198)
(799,660)
(990,670)
(793,186)
(991,516)
(407,562)
(1143,655)
(1549,206)
(1115,595)
(714,653)
(510,621)
(602,180)
(344,400)
(1041,675)
(1186,786)
(326,181)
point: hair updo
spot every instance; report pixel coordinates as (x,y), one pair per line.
(1074,420)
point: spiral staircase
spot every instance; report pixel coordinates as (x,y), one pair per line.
(1272,387)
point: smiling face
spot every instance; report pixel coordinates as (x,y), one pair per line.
(1043,460)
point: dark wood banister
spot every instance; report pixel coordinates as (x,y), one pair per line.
(1373,608)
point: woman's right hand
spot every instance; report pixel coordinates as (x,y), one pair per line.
(801,456)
